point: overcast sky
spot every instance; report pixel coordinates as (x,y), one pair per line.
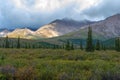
(34,13)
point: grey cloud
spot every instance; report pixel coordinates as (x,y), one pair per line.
(104,9)
(12,17)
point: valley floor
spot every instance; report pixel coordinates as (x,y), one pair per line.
(49,64)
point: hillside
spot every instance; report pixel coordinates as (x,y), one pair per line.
(53,29)
(22,33)
(61,27)
(105,29)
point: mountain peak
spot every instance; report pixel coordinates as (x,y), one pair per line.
(115,17)
(117,14)
(60,27)
(63,20)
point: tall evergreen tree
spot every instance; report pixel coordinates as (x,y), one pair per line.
(3,45)
(18,42)
(98,46)
(89,42)
(72,46)
(81,44)
(67,47)
(63,46)
(117,44)
(12,46)
(6,42)
(104,47)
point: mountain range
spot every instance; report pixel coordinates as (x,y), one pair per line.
(108,28)
(53,29)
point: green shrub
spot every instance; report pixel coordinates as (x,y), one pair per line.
(2,77)
(63,76)
(46,75)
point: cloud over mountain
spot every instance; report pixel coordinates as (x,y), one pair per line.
(34,13)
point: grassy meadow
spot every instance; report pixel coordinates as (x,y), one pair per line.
(58,64)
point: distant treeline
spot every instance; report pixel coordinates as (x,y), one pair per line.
(89,46)
(92,45)
(23,43)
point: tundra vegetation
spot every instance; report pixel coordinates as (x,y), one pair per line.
(93,60)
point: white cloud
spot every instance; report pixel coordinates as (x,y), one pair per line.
(38,12)
(83,4)
(52,5)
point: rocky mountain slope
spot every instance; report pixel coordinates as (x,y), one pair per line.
(60,27)
(23,33)
(108,28)
(53,29)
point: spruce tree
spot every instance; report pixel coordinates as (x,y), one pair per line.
(63,46)
(6,42)
(3,45)
(72,46)
(12,46)
(33,46)
(89,41)
(117,44)
(81,44)
(98,46)
(104,47)
(18,42)
(67,47)
(54,46)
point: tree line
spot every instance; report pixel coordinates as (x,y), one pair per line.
(27,44)
(98,45)
(90,45)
